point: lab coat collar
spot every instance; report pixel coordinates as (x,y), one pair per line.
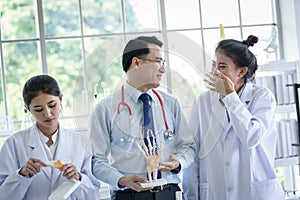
(34,141)
(64,146)
(246,96)
(218,121)
(62,152)
(37,147)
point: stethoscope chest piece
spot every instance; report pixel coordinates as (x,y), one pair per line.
(169,135)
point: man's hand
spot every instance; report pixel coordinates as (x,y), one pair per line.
(173,163)
(133,182)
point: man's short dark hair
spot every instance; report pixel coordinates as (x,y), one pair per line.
(137,47)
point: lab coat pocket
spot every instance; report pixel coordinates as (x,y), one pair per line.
(269,189)
(204,191)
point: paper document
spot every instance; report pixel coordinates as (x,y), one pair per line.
(64,190)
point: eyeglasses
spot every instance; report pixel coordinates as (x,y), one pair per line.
(160,61)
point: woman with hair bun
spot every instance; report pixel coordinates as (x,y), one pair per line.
(234,128)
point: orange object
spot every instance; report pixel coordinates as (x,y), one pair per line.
(58,164)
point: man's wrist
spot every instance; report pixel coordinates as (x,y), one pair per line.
(121,182)
(176,170)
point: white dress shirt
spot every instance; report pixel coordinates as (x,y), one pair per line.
(49,150)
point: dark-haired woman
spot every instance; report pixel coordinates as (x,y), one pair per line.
(23,170)
(234,128)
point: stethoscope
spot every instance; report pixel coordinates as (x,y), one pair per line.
(168,133)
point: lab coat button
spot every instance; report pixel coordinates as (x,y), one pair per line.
(122,139)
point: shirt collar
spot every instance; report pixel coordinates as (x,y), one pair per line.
(45,138)
(134,93)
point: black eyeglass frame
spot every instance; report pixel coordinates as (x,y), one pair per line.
(161,61)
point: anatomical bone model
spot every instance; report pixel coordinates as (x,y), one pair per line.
(151,153)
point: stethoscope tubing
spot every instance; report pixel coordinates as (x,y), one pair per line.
(123,103)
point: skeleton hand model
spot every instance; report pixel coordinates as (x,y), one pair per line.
(151,153)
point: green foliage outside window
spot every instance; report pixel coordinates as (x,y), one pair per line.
(64,54)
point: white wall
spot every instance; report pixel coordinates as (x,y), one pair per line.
(297,13)
(290,21)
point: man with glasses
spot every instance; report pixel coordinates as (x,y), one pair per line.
(119,123)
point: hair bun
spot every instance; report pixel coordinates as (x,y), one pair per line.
(251,40)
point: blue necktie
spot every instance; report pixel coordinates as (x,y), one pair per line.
(148,123)
(148,120)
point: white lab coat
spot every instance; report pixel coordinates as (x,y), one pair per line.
(236,161)
(24,144)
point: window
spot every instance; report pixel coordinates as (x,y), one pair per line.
(80,43)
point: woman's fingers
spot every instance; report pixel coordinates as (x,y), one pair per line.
(70,171)
(31,167)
